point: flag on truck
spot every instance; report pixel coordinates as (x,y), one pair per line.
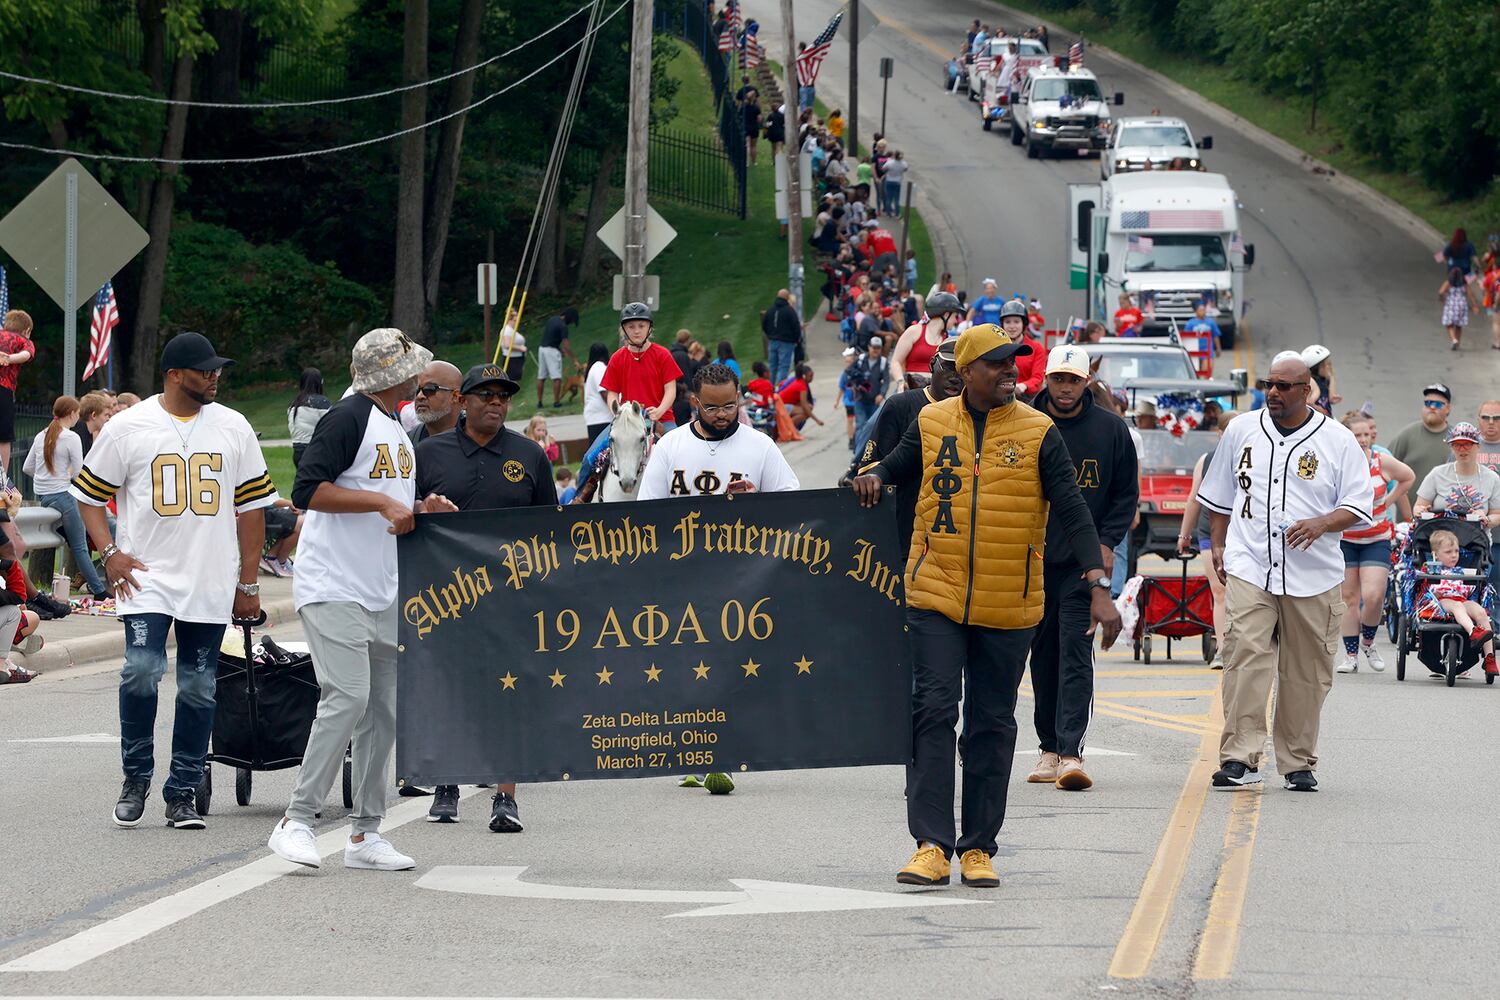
(1141,243)
(1075,53)
(1208,219)
(811,58)
(106,318)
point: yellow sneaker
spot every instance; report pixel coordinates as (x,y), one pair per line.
(926,867)
(977,870)
(1071,777)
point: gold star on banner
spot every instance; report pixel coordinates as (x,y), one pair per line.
(508,681)
(751,669)
(653,673)
(604,676)
(804,665)
(556,677)
(702,670)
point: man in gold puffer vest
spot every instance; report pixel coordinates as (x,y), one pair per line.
(989,468)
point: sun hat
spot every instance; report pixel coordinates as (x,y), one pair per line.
(386,357)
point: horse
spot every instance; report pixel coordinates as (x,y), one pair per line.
(630,442)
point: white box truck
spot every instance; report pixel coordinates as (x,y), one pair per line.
(1171,238)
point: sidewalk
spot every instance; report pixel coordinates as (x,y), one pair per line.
(79,639)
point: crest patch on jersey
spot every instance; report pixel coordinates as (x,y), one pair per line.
(1307,465)
(1011,452)
(514,471)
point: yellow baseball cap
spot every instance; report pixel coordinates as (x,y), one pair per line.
(986,342)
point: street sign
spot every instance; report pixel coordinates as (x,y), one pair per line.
(489,285)
(71,237)
(35,233)
(887,68)
(652,291)
(659,233)
(868,22)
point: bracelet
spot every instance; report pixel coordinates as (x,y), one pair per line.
(109,552)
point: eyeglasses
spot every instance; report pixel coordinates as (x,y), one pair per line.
(1266,385)
(490,395)
(432,389)
(726,408)
(1436,404)
(1458,443)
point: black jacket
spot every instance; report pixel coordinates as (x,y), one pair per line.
(891,421)
(1108,475)
(781,323)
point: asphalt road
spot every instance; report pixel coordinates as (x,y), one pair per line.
(1144,886)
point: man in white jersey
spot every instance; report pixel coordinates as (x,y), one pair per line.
(1284,484)
(714,453)
(357,482)
(181,467)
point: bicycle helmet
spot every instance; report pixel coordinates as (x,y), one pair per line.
(1315,355)
(1014,307)
(942,304)
(636,310)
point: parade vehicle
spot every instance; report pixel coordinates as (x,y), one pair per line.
(1060,110)
(1171,239)
(985,85)
(1152,144)
(1169,451)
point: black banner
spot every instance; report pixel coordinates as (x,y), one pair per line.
(731,633)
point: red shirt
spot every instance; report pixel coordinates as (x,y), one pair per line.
(1127,318)
(794,391)
(762,390)
(1031,369)
(13,343)
(643,377)
(880,241)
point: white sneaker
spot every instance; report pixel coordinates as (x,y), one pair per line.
(1350,664)
(376,854)
(1373,658)
(294,842)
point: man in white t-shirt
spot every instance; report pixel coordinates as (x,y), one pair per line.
(191,487)
(357,482)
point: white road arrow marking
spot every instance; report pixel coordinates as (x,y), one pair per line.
(753,897)
(80,738)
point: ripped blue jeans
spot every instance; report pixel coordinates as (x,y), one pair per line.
(197,671)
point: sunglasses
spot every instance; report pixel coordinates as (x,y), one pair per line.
(432,389)
(490,395)
(1435,404)
(209,373)
(1489,417)
(1266,385)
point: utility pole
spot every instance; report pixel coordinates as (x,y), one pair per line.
(853,148)
(793,148)
(637,142)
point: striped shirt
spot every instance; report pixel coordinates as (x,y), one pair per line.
(1382,529)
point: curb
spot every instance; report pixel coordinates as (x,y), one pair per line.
(70,654)
(1393,210)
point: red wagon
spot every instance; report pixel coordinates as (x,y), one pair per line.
(1175,609)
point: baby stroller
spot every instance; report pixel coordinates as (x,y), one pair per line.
(1442,646)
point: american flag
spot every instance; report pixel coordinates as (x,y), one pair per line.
(1075,53)
(1237,244)
(752,52)
(4,294)
(106,318)
(1141,243)
(984,61)
(811,58)
(731,26)
(1173,218)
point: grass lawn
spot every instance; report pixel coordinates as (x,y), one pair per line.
(279,464)
(1286,118)
(716,278)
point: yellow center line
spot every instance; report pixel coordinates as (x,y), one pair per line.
(1152,693)
(1220,942)
(920,39)
(1175,727)
(1201,718)
(1163,673)
(1148,920)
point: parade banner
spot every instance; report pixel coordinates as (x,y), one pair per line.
(720,633)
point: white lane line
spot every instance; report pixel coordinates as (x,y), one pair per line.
(80,738)
(101,939)
(1089,751)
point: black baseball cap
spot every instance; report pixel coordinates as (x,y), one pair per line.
(191,350)
(1438,389)
(483,375)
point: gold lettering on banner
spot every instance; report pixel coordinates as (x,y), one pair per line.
(738,538)
(526,558)
(596,540)
(556,632)
(438,603)
(611,627)
(689,620)
(868,569)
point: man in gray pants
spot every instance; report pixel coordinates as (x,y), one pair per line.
(357,482)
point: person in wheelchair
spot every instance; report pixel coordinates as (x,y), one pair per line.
(1453,597)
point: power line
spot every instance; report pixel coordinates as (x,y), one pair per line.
(305,154)
(276,105)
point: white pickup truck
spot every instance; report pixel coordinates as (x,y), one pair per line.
(1152,144)
(1061,109)
(986,85)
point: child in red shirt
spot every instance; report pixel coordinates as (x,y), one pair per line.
(641,372)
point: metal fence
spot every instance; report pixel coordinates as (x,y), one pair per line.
(30,421)
(692,24)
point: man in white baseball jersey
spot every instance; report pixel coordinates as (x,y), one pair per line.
(192,489)
(1284,484)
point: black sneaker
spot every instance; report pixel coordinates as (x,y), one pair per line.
(1300,781)
(1234,774)
(412,791)
(505,817)
(444,805)
(182,816)
(132,804)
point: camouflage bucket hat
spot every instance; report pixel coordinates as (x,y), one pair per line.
(385,358)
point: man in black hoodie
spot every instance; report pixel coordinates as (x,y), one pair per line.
(783,329)
(1062,651)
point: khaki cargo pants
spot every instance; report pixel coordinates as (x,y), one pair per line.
(1300,661)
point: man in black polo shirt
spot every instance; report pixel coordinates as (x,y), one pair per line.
(484,466)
